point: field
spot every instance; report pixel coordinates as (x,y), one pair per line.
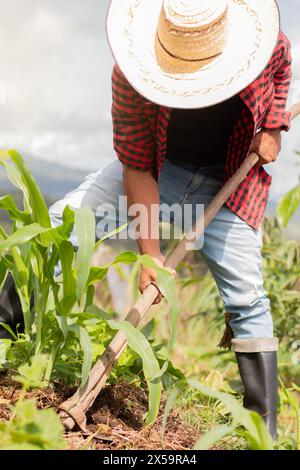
(173,388)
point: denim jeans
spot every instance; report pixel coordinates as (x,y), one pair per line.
(231,248)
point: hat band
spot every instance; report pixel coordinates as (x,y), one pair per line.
(202,59)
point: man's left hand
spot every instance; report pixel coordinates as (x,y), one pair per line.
(267,145)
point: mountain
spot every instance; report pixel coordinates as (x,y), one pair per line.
(57,180)
(54,180)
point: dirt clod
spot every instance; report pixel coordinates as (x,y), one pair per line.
(123,403)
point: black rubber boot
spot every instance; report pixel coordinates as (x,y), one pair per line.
(10,309)
(259,374)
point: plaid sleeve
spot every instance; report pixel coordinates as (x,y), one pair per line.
(277,116)
(133,139)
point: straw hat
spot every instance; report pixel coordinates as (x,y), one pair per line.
(192,53)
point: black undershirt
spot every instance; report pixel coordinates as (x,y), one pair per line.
(200,136)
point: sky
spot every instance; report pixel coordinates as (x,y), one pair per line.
(56,66)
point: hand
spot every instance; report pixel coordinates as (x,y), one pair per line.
(267,145)
(149,276)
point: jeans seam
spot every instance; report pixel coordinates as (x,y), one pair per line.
(186,193)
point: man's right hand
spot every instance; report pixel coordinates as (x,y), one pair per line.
(149,276)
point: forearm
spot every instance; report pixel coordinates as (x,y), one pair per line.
(141,188)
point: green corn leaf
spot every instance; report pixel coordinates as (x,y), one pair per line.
(96,312)
(97,275)
(16,179)
(34,202)
(213,436)
(110,235)
(167,286)
(90,295)
(162,371)
(63,325)
(260,439)
(8,204)
(147,330)
(66,255)
(21,236)
(20,269)
(257,433)
(65,230)
(139,344)
(85,229)
(128,257)
(288,205)
(3,272)
(10,331)
(87,347)
(7,262)
(37,201)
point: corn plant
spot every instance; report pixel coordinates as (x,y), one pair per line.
(30,254)
(30,428)
(60,317)
(152,371)
(248,423)
(255,432)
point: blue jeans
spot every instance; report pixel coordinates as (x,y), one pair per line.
(231,248)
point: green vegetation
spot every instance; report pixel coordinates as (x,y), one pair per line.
(173,358)
(29,428)
(289,204)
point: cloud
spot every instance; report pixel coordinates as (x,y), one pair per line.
(56,65)
(57,73)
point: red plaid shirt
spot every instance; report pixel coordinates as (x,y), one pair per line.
(140,129)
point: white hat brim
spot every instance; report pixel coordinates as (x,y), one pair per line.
(252,36)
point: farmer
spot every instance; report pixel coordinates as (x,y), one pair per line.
(198,85)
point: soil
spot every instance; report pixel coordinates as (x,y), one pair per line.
(114,422)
